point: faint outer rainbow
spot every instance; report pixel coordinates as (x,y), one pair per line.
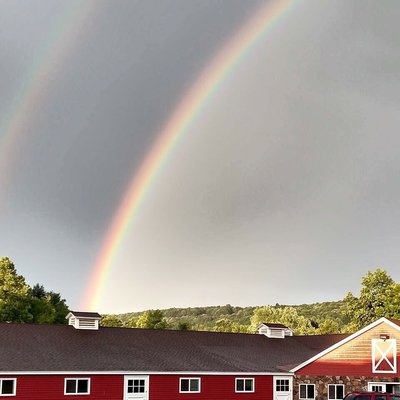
(184,115)
(33,89)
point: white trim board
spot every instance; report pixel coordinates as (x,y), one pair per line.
(345,340)
(192,373)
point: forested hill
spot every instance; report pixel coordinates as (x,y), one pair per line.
(209,318)
(379,297)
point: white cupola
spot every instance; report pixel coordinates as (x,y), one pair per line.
(84,320)
(275,331)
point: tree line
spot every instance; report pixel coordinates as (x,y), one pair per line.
(21,303)
(379,297)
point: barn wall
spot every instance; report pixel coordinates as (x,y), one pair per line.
(353,358)
(351,383)
(43,387)
(213,387)
(161,387)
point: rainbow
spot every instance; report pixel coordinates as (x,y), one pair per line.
(184,115)
(34,85)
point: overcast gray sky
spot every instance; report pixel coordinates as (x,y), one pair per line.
(285,189)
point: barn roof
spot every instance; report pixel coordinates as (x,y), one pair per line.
(30,347)
(84,314)
(273,325)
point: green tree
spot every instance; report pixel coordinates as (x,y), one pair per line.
(152,319)
(327,326)
(183,326)
(111,320)
(14,294)
(224,325)
(60,307)
(47,307)
(379,297)
(227,325)
(131,322)
(42,311)
(284,315)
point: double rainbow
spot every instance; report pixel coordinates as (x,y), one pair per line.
(176,126)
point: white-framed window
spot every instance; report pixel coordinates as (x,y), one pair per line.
(136,386)
(189,385)
(77,386)
(8,387)
(335,392)
(306,391)
(282,385)
(389,387)
(244,385)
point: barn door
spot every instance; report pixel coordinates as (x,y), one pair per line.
(136,387)
(283,388)
(384,354)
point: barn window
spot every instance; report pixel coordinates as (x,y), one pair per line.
(306,391)
(282,385)
(335,392)
(244,385)
(77,386)
(191,385)
(7,387)
(136,385)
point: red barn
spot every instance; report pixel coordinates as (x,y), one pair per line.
(85,361)
(364,361)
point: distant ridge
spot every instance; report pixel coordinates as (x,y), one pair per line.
(205,318)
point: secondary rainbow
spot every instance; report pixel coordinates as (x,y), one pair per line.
(33,89)
(184,115)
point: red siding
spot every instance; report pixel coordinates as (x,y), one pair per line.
(162,387)
(42,387)
(353,358)
(213,387)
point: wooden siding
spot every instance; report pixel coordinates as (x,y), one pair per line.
(213,387)
(43,387)
(161,387)
(353,358)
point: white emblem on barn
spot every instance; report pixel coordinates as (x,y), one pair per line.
(384,356)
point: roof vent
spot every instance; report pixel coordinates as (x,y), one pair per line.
(84,320)
(274,331)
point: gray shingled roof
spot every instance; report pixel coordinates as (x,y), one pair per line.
(85,314)
(26,347)
(273,325)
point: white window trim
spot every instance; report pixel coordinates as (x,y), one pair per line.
(307,398)
(76,379)
(127,372)
(189,379)
(383,384)
(14,386)
(336,385)
(244,379)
